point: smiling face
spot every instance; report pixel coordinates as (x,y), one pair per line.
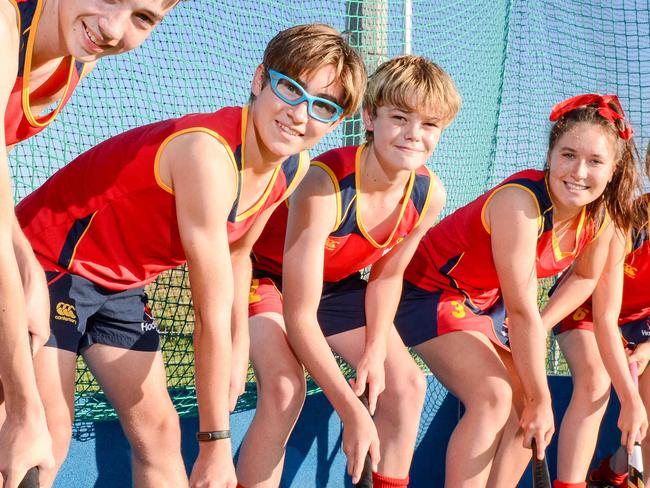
(283,129)
(403,139)
(92,29)
(581,164)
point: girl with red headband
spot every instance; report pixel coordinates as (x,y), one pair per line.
(487,256)
(575,334)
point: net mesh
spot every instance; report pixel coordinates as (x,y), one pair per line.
(511,60)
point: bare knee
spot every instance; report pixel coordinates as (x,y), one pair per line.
(493,401)
(153,435)
(406,394)
(283,392)
(591,388)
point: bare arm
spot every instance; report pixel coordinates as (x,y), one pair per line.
(242,275)
(24,441)
(512,215)
(606,306)
(35,288)
(240,253)
(580,281)
(312,215)
(383,296)
(196,163)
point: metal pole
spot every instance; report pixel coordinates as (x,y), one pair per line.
(367,28)
(408,20)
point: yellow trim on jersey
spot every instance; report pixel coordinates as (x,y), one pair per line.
(85,71)
(27,109)
(466,296)
(540,228)
(83,234)
(601,229)
(428,199)
(629,245)
(218,137)
(448,273)
(557,252)
(405,200)
(337,190)
(303,159)
(265,195)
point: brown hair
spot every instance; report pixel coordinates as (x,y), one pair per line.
(621,191)
(303,49)
(412,83)
(642,203)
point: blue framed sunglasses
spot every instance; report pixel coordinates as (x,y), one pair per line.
(290,92)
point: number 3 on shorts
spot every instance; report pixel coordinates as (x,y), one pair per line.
(459,309)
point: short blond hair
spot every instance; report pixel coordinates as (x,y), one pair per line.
(412,83)
(303,49)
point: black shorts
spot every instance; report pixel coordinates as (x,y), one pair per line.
(83,313)
(637,331)
(342,305)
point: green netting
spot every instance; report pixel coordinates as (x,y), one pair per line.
(510,59)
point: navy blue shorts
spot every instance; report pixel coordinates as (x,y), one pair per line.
(637,331)
(83,313)
(423,315)
(342,306)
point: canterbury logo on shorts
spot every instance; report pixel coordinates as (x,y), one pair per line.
(66,312)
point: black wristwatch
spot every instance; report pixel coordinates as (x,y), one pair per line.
(212,436)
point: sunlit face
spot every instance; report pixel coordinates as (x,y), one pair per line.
(580,165)
(402,138)
(283,129)
(92,29)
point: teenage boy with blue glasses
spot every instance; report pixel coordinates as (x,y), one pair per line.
(196,189)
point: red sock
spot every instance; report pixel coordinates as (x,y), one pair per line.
(381,481)
(604,473)
(562,484)
(239,486)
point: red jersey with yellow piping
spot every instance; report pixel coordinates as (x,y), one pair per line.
(456,254)
(20,122)
(107,216)
(636,283)
(636,293)
(349,247)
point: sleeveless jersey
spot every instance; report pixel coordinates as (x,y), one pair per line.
(456,254)
(349,247)
(636,294)
(20,122)
(108,216)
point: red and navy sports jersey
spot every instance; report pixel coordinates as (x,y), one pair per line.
(108,216)
(349,247)
(636,292)
(20,122)
(456,254)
